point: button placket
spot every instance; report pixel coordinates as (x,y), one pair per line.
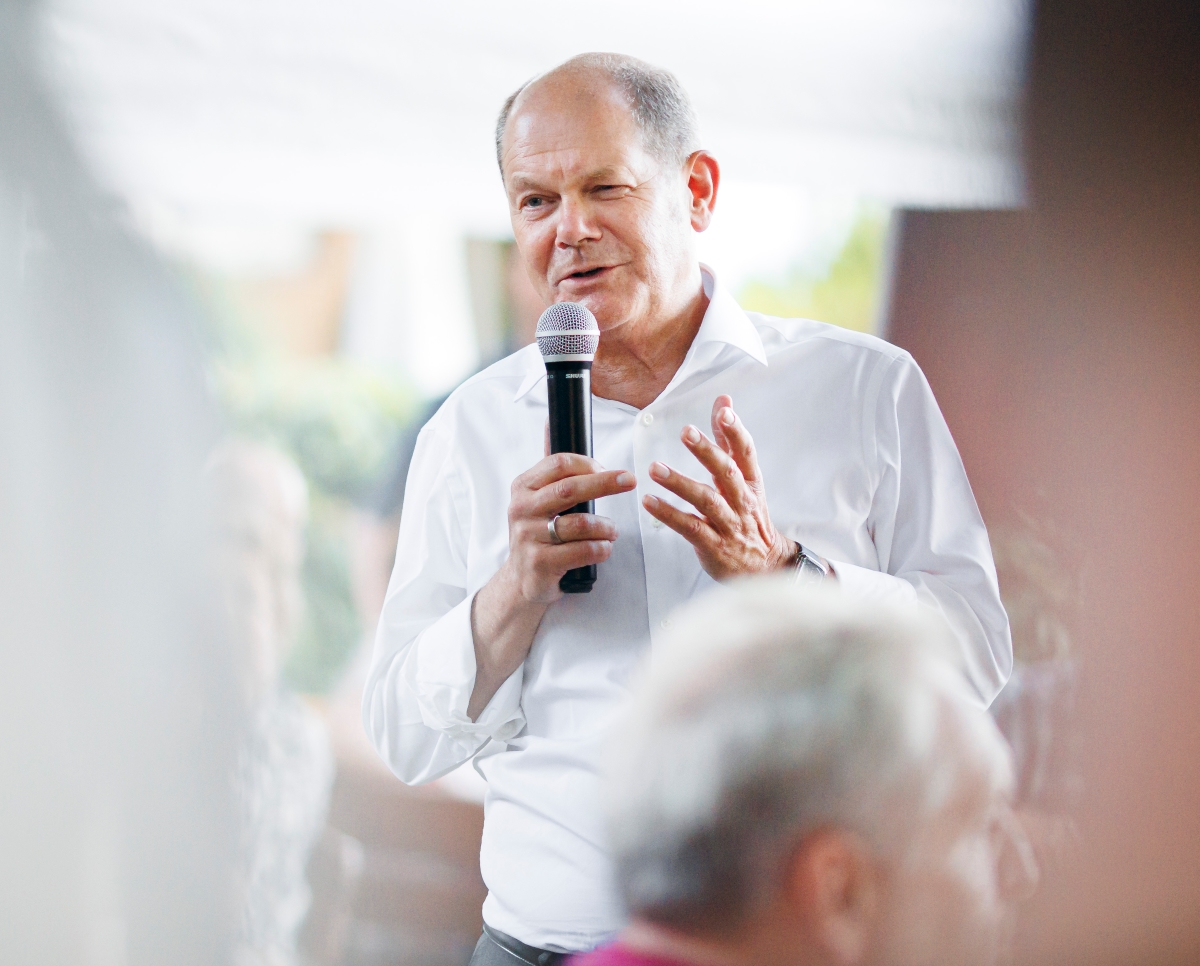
(640,447)
(655,556)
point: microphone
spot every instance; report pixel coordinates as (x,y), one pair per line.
(567,335)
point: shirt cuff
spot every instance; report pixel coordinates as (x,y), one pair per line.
(444,676)
(866,584)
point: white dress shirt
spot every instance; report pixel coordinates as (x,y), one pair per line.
(859,466)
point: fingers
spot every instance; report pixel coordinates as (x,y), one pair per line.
(738,442)
(726,473)
(577,553)
(553,486)
(537,562)
(723,401)
(692,528)
(709,502)
(563,494)
(553,468)
(580,526)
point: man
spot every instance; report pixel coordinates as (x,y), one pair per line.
(805,780)
(478,654)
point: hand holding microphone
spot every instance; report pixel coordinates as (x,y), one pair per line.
(568,337)
(555,540)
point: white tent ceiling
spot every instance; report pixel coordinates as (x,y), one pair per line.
(363,110)
(236,129)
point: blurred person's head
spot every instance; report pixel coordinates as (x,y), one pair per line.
(260,509)
(607,187)
(803,779)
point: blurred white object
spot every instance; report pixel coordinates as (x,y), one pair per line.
(118,705)
(350,112)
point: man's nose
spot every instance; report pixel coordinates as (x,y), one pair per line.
(576,224)
(1018,872)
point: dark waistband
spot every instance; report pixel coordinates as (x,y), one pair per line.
(523,951)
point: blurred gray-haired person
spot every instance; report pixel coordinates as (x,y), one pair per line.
(807,780)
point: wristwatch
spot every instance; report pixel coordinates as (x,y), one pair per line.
(811,568)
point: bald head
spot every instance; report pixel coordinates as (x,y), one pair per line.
(656,101)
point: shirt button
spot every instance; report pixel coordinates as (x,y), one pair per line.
(647,418)
(656,523)
(666,624)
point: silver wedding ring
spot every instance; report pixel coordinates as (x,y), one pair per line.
(552,526)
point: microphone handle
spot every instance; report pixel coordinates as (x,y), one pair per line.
(569,394)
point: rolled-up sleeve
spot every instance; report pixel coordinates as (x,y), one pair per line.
(423,665)
(932,544)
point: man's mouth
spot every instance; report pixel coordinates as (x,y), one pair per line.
(587,273)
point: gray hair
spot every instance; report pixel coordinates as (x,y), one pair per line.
(766,715)
(658,101)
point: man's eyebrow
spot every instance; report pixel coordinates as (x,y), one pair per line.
(606,175)
(609,175)
(520,182)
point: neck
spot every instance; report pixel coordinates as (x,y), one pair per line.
(636,360)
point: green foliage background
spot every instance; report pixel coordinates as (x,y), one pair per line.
(848,295)
(340,422)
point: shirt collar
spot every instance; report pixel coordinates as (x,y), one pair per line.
(724,323)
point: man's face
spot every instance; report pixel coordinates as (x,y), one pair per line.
(597,218)
(952,900)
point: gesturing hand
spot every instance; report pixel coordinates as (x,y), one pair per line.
(733,535)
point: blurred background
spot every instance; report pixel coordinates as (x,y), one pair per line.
(250,245)
(322,181)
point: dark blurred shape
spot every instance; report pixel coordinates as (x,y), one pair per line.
(504,303)
(119,709)
(1114,132)
(961,303)
(1064,346)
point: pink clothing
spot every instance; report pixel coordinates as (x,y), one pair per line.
(619,955)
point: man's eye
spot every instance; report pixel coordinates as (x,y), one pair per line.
(533,202)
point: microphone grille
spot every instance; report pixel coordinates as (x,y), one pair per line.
(567,330)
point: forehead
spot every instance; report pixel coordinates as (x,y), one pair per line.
(570,126)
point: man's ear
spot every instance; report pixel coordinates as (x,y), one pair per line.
(833,883)
(703,179)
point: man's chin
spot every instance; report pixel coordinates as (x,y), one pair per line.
(610,308)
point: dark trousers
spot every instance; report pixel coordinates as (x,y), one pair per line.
(496,948)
